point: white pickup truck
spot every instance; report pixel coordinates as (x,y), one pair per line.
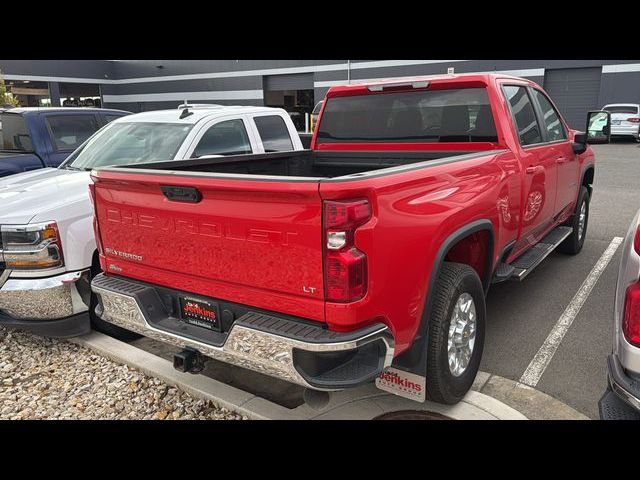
(47,247)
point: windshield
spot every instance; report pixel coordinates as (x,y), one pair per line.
(622,109)
(460,115)
(127,143)
(14,134)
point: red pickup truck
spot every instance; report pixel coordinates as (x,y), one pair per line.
(367,257)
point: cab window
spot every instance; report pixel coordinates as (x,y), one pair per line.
(550,118)
(274,133)
(224,138)
(523,114)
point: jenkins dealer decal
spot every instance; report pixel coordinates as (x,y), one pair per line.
(193,309)
(402,383)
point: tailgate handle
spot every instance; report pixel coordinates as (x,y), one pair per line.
(181,194)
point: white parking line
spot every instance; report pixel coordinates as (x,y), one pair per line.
(540,362)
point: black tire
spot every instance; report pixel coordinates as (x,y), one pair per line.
(454,280)
(574,242)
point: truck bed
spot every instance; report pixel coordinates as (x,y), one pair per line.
(304,163)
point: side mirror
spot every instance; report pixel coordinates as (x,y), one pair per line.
(580,143)
(598,127)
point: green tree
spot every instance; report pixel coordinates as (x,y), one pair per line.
(6,99)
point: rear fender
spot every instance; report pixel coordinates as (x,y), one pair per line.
(414,359)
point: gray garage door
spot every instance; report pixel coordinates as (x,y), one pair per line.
(575,91)
(296,81)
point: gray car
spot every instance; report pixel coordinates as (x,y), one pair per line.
(622,398)
(625,119)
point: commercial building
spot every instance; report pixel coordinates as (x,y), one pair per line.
(138,85)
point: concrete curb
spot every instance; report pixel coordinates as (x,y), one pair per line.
(492,397)
(371,403)
(536,405)
(197,385)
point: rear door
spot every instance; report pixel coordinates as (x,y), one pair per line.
(555,134)
(539,163)
(255,242)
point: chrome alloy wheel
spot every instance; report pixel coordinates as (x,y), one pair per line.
(462,334)
(582,220)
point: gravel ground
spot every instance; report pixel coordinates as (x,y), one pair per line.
(43,378)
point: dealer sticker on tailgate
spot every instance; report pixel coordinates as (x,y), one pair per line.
(200,312)
(404,384)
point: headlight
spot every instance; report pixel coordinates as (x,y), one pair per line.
(28,247)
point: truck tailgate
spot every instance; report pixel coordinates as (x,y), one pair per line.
(247,241)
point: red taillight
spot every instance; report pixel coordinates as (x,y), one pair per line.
(346,279)
(346,214)
(636,241)
(345,265)
(631,322)
(633,119)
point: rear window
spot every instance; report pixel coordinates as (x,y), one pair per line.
(622,109)
(460,115)
(14,134)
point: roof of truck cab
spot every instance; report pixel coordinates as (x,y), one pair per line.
(480,78)
(22,110)
(197,114)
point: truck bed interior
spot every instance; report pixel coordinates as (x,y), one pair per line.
(304,163)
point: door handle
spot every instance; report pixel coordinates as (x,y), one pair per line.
(535,169)
(561,160)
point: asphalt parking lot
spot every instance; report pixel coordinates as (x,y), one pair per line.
(521,315)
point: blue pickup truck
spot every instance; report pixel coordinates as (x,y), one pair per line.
(32,138)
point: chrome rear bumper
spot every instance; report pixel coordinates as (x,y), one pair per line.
(299,352)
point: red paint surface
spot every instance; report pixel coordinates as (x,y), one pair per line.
(261,243)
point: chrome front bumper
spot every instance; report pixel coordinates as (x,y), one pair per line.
(44,298)
(249,345)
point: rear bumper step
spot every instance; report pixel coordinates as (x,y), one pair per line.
(299,352)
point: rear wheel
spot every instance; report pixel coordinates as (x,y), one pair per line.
(456,333)
(579,221)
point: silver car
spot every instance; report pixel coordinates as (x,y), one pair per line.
(622,398)
(625,119)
